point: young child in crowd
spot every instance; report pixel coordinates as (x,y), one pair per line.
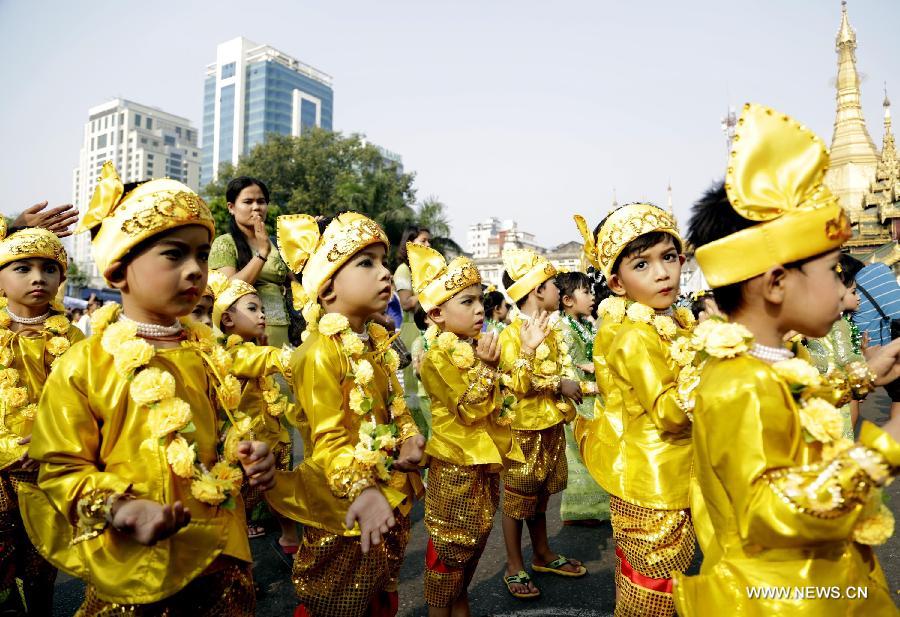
(584,502)
(639,447)
(786,508)
(34,333)
(352,491)
(202,312)
(139,490)
(536,358)
(471,439)
(496,310)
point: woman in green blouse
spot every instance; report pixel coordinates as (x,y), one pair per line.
(247,253)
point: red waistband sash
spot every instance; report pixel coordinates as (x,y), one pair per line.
(662,585)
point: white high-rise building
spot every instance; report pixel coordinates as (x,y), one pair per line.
(143,143)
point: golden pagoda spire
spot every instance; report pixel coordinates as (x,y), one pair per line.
(853,154)
(888,148)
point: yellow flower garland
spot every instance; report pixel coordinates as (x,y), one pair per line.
(169,417)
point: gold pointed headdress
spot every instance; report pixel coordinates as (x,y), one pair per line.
(775,175)
(434,280)
(125,221)
(225,293)
(318,256)
(30,243)
(527,269)
(621,228)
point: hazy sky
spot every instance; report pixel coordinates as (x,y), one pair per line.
(517,109)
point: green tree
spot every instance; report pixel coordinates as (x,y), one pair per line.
(431,214)
(76,277)
(322,173)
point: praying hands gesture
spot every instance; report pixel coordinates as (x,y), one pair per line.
(534,331)
(259,241)
(487,349)
(58,219)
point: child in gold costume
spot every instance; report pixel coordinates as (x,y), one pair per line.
(360,437)
(534,355)
(786,509)
(638,446)
(33,335)
(471,440)
(138,496)
(237,311)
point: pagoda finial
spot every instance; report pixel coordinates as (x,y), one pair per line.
(846,33)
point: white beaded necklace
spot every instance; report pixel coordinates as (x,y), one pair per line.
(27,321)
(770,354)
(152,330)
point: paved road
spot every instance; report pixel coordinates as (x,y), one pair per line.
(590,596)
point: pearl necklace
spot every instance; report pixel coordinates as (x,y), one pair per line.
(152,330)
(27,321)
(770,354)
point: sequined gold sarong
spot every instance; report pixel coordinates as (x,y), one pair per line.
(333,578)
(527,486)
(460,503)
(227,592)
(650,546)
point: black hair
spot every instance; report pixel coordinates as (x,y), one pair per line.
(641,243)
(570,282)
(419,318)
(509,282)
(409,234)
(232,192)
(850,267)
(492,301)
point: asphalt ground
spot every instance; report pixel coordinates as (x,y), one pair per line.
(592,595)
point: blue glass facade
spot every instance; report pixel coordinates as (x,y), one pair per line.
(268,108)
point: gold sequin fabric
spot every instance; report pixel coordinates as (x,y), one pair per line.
(18,557)
(460,503)
(655,544)
(333,578)
(527,486)
(228,592)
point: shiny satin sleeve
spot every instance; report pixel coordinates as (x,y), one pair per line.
(511,362)
(752,438)
(66,440)
(637,356)
(470,399)
(251,360)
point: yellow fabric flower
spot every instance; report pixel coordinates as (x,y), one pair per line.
(431,333)
(446,341)
(29,411)
(821,419)
(685,317)
(665,326)
(359,401)
(548,367)
(332,323)
(352,344)
(229,392)
(57,324)
(364,372)
(116,334)
(229,475)
(876,529)
(366,456)
(612,308)
(681,351)
(181,455)
(57,345)
(152,385)
(462,355)
(131,355)
(721,339)
(5,319)
(6,355)
(242,431)
(797,371)
(398,406)
(221,360)
(15,397)
(8,377)
(207,490)
(392,360)
(102,317)
(640,313)
(311,313)
(168,416)
(542,352)
(277,408)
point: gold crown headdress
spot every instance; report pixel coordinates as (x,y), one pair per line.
(318,256)
(226,292)
(127,220)
(30,243)
(434,280)
(622,227)
(775,175)
(527,269)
